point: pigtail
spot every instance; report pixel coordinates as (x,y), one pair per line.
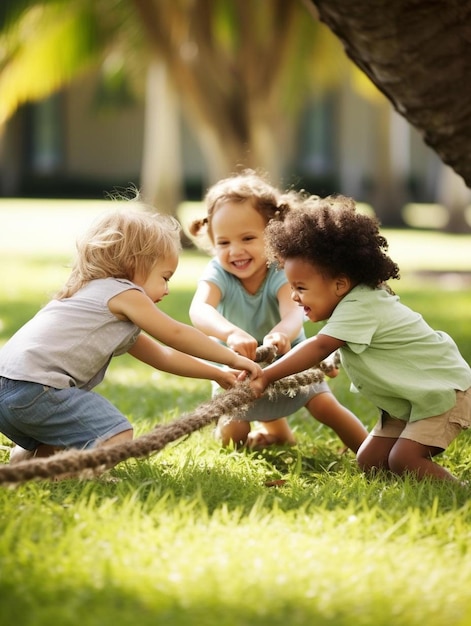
(197,228)
(286,203)
(282,210)
(199,231)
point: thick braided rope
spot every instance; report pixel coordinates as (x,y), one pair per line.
(267,354)
(76,462)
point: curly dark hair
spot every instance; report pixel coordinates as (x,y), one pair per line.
(329,233)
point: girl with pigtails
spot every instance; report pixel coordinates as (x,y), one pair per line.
(244,302)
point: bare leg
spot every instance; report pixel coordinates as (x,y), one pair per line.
(122,437)
(373,453)
(19,454)
(326,409)
(276,432)
(235,431)
(400,456)
(410,456)
(125,435)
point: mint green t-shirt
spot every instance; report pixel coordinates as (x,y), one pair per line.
(394,358)
(255,313)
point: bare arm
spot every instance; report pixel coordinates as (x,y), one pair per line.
(174,362)
(139,309)
(290,323)
(305,355)
(205,316)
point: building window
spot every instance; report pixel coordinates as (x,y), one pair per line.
(44,136)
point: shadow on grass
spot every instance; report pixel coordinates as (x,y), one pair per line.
(114,604)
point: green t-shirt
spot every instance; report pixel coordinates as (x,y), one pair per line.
(394,357)
(255,313)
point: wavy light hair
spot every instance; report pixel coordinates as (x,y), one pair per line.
(246,186)
(120,243)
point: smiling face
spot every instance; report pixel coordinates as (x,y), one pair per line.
(312,289)
(155,284)
(237,231)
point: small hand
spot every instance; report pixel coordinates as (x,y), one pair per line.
(242,363)
(241,342)
(279,340)
(226,378)
(333,372)
(330,365)
(258,385)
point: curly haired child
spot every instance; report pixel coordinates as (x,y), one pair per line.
(244,303)
(336,262)
(50,366)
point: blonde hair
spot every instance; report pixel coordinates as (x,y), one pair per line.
(120,243)
(248,185)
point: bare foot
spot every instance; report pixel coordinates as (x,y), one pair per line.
(259,439)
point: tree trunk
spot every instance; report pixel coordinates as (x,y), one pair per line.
(390,165)
(456,196)
(231,79)
(161,170)
(418,54)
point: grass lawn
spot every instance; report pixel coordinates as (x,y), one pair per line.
(192,536)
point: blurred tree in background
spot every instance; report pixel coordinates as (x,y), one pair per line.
(240,70)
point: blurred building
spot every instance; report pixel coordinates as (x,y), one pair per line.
(68,146)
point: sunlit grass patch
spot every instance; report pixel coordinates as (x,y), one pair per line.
(164,549)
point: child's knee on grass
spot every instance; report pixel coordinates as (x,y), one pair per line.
(232,431)
(374,452)
(410,456)
(275,432)
(122,437)
(278,431)
(240,433)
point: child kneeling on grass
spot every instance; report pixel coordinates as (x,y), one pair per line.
(335,261)
(49,367)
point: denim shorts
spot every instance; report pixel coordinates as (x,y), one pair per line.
(31,414)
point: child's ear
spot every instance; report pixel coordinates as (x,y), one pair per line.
(343,285)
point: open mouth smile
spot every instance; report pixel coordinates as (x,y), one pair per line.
(241,265)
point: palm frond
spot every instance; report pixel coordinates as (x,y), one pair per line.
(43,50)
